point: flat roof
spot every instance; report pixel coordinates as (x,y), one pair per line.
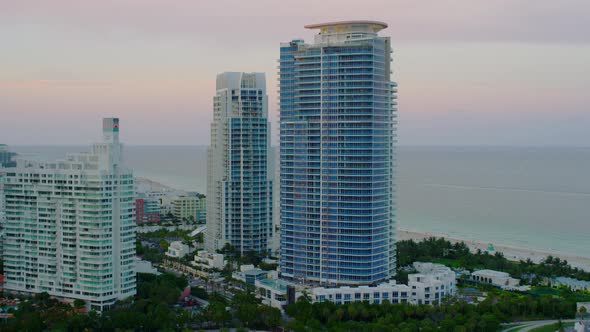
(492,272)
(255,272)
(383,25)
(277,284)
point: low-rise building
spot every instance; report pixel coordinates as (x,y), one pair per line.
(431,283)
(573,284)
(190,207)
(147,210)
(390,291)
(495,278)
(274,292)
(207,265)
(142,266)
(166,204)
(582,326)
(246,267)
(177,249)
(250,276)
(206,260)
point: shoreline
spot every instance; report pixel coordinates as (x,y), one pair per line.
(510,252)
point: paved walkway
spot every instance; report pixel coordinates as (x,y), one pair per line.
(530,325)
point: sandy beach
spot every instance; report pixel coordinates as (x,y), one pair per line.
(154,186)
(510,252)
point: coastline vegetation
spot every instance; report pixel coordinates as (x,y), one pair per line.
(457,255)
(155,306)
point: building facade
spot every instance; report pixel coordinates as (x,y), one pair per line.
(178,249)
(147,210)
(206,260)
(2,214)
(6,157)
(70,226)
(273,291)
(495,278)
(239,185)
(390,291)
(431,284)
(192,207)
(337,132)
(571,283)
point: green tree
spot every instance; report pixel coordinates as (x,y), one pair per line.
(78,303)
(583,312)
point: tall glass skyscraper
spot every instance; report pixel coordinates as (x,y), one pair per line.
(337,129)
(239,185)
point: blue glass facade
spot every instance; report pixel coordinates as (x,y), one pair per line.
(337,130)
(247,192)
(239,186)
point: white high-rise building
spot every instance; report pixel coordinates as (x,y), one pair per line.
(70,228)
(239,185)
(2,174)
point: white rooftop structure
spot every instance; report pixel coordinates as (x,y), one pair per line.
(273,291)
(207,260)
(390,291)
(432,283)
(496,278)
(199,230)
(430,286)
(142,266)
(177,249)
(573,284)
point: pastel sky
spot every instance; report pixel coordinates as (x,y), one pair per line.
(502,72)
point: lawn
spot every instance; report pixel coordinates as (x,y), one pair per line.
(454,263)
(577,296)
(545,291)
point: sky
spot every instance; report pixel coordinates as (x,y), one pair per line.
(502,72)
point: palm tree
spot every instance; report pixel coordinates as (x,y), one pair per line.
(582,312)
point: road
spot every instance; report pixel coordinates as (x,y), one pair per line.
(210,287)
(530,325)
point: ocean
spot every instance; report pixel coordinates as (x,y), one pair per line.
(536,198)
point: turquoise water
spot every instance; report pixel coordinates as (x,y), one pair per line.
(537,198)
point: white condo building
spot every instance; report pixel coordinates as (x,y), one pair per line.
(2,174)
(239,185)
(430,285)
(70,228)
